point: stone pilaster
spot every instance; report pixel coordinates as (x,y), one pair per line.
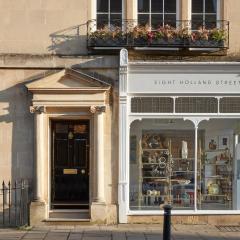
(38,206)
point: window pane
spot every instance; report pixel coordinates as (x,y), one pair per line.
(170,6)
(197,21)
(161,164)
(157,6)
(143,19)
(230,105)
(197,6)
(102,20)
(143,5)
(152,104)
(210,21)
(216,149)
(157,20)
(170,19)
(196,105)
(116,6)
(102,5)
(211,6)
(116,20)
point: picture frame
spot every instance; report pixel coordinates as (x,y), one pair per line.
(223,142)
(212,142)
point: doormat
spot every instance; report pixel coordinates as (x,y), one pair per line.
(228,228)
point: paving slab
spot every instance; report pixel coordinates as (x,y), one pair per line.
(119,232)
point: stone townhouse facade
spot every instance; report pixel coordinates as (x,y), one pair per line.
(110,109)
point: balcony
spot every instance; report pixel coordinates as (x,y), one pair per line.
(171,36)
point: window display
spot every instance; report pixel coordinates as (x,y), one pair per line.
(215,166)
(164,168)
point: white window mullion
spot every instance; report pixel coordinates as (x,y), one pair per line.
(150,13)
(163,12)
(196,168)
(109,24)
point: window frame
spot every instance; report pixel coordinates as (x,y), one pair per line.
(109,13)
(177,13)
(218,11)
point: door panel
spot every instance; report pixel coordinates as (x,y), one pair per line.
(70,164)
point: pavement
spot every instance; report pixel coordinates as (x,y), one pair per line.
(118,232)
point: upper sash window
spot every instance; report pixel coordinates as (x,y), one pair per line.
(156,13)
(204,13)
(109,12)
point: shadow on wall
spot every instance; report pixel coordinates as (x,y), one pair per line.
(70,41)
(17,131)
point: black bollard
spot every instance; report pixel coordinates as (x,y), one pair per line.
(167,222)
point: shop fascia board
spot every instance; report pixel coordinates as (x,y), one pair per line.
(183,67)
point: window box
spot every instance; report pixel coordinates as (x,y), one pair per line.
(164,36)
(206,43)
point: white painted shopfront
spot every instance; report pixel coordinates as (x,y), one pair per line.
(179,138)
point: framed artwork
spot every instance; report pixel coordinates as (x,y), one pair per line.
(223,142)
(133,149)
(212,142)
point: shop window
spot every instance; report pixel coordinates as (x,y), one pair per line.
(196,105)
(152,105)
(109,13)
(216,150)
(157,13)
(164,170)
(204,13)
(230,105)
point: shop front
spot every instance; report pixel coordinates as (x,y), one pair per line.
(179,141)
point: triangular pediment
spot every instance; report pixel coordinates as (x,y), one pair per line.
(67,80)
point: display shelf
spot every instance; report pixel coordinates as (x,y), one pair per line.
(158,167)
(216,173)
(154,149)
(185,159)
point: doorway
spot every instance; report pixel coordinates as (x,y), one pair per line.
(70,164)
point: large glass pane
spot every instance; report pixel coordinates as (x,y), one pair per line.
(170,6)
(116,6)
(161,164)
(143,6)
(218,154)
(102,5)
(211,6)
(197,6)
(102,20)
(157,21)
(157,6)
(143,19)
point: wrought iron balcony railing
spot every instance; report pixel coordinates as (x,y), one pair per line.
(180,34)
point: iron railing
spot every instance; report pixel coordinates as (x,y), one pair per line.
(14,204)
(178,34)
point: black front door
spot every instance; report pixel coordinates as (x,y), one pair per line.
(70,164)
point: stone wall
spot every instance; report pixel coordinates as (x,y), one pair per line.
(17,123)
(59,26)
